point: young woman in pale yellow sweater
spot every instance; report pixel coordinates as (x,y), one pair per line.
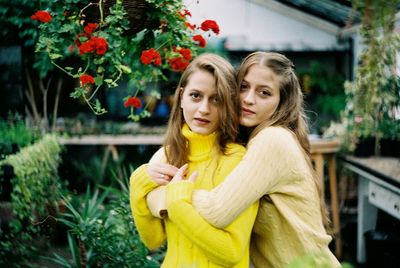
(276,170)
(201,130)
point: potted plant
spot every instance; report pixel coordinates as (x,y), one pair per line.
(372,99)
(98,43)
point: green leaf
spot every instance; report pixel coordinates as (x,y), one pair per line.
(55,56)
(98,80)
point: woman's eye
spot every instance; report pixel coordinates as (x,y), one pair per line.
(194,95)
(243,87)
(265,93)
(215,99)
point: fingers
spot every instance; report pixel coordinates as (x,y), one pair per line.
(160,181)
(179,176)
(161,173)
(180,173)
(166,169)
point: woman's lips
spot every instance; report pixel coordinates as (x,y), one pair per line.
(247,111)
(202,121)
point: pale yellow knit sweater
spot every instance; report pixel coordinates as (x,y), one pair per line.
(289,222)
(192,242)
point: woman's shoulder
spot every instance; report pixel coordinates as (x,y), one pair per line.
(276,134)
(274,138)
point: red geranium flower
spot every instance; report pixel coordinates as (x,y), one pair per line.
(100,44)
(134,102)
(95,44)
(42,16)
(90,27)
(150,56)
(200,39)
(87,47)
(178,64)
(210,25)
(86,79)
(186,53)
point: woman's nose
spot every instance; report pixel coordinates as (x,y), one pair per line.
(204,107)
(248,97)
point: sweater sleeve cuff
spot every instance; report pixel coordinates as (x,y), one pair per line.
(140,186)
(156,202)
(179,191)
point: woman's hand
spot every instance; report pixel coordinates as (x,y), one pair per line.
(180,175)
(161,173)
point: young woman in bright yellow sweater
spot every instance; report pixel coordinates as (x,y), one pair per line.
(276,170)
(201,131)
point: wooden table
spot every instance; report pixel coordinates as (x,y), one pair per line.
(321,150)
(111,141)
(325,150)
(378,187)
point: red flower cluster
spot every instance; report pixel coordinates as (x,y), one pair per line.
(86,79)
(210,25)
(200,39)
(94,44)
(42,16)
(150,56)
(134,102)
(186,53)
(180,63)
(90,27)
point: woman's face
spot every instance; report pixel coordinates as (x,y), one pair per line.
(259,95)
(199,103)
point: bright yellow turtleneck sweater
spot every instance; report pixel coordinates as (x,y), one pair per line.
(192,242)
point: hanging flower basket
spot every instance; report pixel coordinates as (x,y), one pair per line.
(136,14)
(112,40)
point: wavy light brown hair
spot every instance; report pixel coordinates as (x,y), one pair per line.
(175,143)
(290,111)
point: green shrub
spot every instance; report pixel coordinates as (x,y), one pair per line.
(35,189)
(102,232)
(14,135)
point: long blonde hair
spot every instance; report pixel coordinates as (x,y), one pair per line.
(290,111)
(175,143)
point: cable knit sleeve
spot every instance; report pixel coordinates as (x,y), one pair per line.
(264,168)
(150,228)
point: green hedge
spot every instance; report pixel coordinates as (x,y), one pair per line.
(35,188)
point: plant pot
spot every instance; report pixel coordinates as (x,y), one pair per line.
(365,147)
(135,10)
(390,147)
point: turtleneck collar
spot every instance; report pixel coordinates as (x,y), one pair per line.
(200,146)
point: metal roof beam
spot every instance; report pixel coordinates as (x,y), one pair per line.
(298,15)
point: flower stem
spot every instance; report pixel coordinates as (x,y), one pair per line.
(94,93)
(101,11)
(87,66)
(88,5)
(162,44)
(62,69)
(119,75)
